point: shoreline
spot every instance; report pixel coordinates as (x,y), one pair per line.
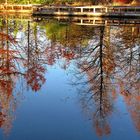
(83,11)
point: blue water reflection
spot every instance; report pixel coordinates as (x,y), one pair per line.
(63,81)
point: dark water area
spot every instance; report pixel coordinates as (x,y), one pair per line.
(64,80)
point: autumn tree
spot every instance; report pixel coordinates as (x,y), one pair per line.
(98,64)
(34,62)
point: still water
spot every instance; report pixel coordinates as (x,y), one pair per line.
(68,81)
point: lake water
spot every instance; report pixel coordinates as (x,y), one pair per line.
(65,79)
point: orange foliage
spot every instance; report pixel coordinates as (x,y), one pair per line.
(114,95)
(99,131)
(35,77)
(138,98)
(1,119)
(133,104)
(102,128)
(7,37)
(51,60)
(68,56)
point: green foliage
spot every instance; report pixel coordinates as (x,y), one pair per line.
(42,1)
(23,1)
(54,28)
(68,34)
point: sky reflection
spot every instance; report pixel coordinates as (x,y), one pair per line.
(52,74)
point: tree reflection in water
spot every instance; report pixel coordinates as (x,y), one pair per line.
(8,73)
(20,58)
(35,69)
(109,57)
(130,67)
(25,52)
(112,65)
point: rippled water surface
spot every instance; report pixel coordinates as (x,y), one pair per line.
(65,79)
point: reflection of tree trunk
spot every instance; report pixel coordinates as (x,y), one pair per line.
(7,47)
(2,44)
(28,42)
(35,34)
(66,35)
(108,36)
(101,65)
(138,66)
